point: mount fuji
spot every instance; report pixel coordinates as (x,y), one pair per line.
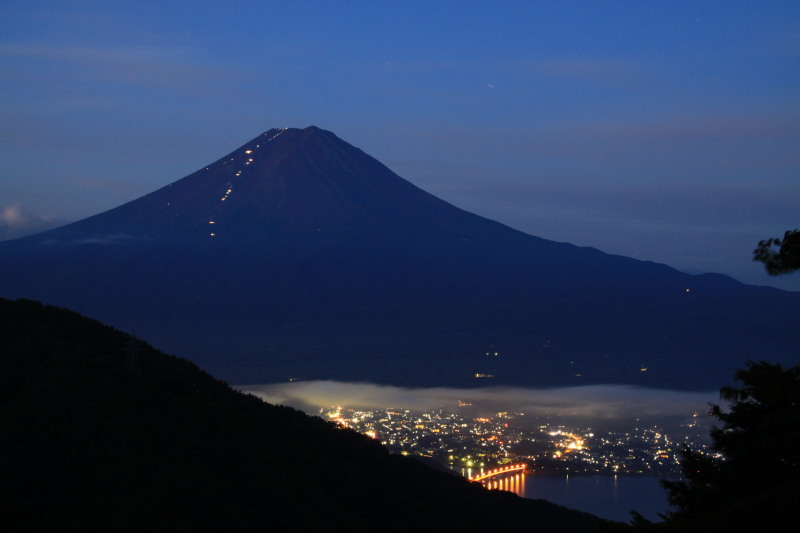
(298,256)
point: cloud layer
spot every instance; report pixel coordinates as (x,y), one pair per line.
(593,406)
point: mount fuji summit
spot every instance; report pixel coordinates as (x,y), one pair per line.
(298,256)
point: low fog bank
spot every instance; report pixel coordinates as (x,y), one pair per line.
(596,406)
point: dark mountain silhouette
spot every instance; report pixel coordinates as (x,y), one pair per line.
(299,256)
(99,437)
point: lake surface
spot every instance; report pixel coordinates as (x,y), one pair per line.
(610,497)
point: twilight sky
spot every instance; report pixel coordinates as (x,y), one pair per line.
(667,131)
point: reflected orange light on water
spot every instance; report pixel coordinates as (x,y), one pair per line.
(510,478)
(500,471)
(515,484)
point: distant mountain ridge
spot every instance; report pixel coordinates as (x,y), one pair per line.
(298,256)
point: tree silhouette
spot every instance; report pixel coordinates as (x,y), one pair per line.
(752,477)
(784,259)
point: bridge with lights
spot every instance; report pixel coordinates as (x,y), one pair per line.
(507,477)
(502,471)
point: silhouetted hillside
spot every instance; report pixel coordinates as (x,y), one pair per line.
(99,434)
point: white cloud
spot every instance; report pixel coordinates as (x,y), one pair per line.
(15,222)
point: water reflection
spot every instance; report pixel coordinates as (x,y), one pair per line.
(607,496)
(511,483)
(610,496)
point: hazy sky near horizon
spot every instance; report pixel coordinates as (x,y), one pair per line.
(666,131)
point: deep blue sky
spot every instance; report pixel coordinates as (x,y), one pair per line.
(667,131)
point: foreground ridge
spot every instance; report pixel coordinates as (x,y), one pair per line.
(95,444)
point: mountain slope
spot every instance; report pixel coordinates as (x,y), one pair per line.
(100,437)
(299,256)
(283,183)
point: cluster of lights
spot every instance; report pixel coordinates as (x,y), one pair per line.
(227,193)
(229,190)
(500,471)
(576,442)
(281,131)
(488,440)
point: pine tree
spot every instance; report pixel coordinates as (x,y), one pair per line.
(752,478)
